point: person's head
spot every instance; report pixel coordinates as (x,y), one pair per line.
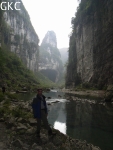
(39,91)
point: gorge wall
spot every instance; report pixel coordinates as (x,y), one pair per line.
(50,63)
(91,48)
(18,34)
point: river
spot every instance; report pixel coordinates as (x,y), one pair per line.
(82,119)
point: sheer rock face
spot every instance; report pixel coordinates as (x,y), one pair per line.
(91,49)
(23,39)
(50,59)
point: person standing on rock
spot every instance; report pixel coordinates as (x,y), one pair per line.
(40,112)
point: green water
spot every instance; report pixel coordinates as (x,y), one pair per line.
(81,119)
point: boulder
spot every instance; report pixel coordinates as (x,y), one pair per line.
(21,126)
(32,121)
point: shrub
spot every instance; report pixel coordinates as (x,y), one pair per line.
(11,96)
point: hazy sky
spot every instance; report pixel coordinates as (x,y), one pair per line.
(52,15)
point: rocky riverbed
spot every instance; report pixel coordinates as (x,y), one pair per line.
(106,95)
(18,131)
(96,93)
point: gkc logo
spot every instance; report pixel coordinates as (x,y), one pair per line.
(9,5)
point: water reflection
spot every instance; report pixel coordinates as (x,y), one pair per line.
(60,126)
(83,120)
(57,116)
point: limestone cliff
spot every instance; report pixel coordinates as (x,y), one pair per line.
(19,35)
(50,59)
(91,48)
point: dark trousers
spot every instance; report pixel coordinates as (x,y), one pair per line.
(45,122)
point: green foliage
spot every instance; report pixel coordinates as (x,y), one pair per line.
(7,103)
(15,75)
(11,96)
(20,112)
(2,96)
(15,112)
(44,81)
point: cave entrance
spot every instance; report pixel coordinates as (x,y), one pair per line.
(50,73)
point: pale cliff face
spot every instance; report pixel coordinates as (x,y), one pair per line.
(50,59)
(24,40)
(51,39)
(84,52)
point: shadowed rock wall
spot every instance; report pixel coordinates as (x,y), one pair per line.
(91,49)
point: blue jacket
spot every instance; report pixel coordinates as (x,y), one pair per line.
(36,106)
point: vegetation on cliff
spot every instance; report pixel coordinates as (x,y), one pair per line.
(13,71)
(16,76)
(93,20)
